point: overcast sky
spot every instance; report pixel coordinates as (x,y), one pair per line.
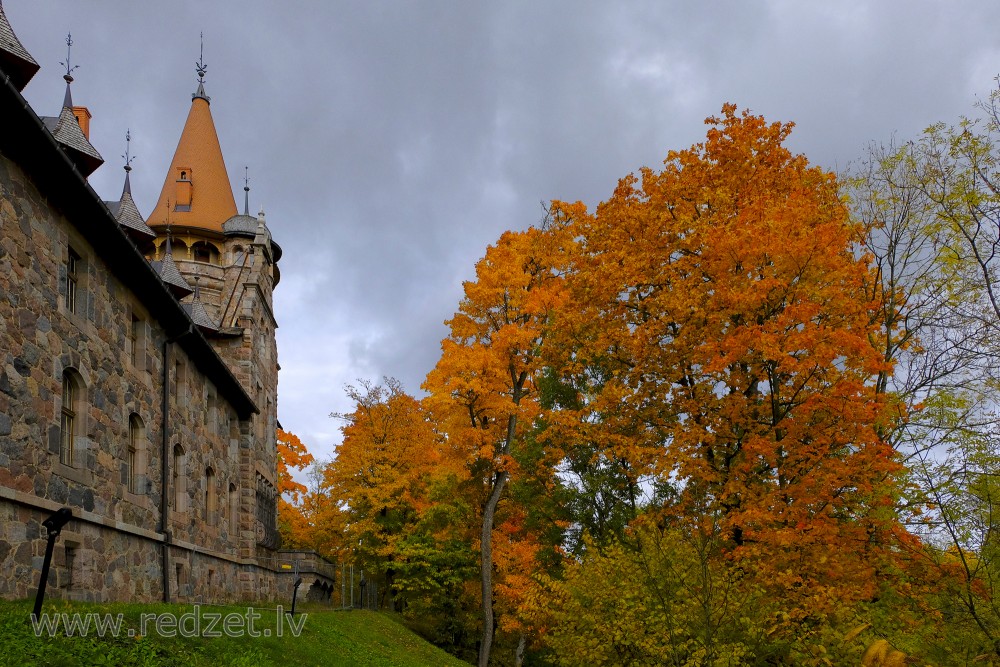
(391,142)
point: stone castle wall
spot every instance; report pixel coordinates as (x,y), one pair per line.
(112,549)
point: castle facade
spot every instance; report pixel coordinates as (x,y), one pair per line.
(138,369)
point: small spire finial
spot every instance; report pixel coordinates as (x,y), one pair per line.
(69,50)
(200,66)
(246,190)
(68,76)
(128,157)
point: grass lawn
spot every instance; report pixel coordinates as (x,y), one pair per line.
(327,637)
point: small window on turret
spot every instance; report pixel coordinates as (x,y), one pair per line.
(205,252)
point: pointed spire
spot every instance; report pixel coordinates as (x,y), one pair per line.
(196,309)
(71,126)
(15,61)
(68,76)
(246,190)
(128,161)
(197,180)
(201,68)
(125,211)
(167,269)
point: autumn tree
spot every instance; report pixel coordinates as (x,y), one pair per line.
(722,301)
(380,473)
(932,212)
(482,390)
(292,455)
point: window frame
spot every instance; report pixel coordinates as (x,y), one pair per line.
(69,418)
(71,297)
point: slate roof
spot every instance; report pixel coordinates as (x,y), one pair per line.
(196,309)
(244,225)
(15,61)
(66,130)
(171,275)
(128,216)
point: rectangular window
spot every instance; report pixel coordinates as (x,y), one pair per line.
(132,339)
(131,470)
(72,280)
(70,565)
(130,464)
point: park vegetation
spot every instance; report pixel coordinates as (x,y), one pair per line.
(743,412)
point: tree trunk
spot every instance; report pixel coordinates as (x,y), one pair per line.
(519,651)
(486,546)
(486,567)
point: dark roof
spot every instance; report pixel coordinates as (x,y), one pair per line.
(240,225)
(171,275)
(66,130)
(128,216)
(26,142)
(15,61)
(196,309)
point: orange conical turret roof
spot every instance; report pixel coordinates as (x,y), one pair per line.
(197,185)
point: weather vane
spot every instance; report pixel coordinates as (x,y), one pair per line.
(69,70)
(200,66)
(128,157)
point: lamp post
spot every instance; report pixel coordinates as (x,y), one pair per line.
(295,593)
(53,525)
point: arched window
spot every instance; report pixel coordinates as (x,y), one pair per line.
(135,455)
(211,497)
(239,254)
(71,415)
(205,252)
(180,490)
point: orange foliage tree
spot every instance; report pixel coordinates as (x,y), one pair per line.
(722,301)
(380,474)
(292,454)
(292,521)
(482,391)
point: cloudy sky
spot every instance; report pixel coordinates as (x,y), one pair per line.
(391,142)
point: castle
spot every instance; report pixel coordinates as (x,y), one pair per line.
(138,369)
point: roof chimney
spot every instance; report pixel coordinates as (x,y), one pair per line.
(83,118)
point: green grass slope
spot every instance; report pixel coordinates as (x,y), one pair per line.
(181,635)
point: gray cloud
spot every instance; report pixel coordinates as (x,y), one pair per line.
(391,142)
